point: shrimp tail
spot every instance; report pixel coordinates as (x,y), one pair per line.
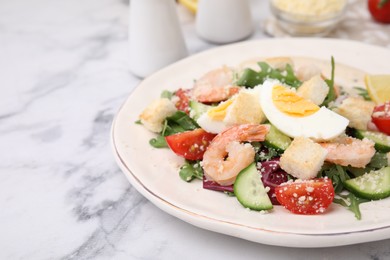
(255,133)
(247,133)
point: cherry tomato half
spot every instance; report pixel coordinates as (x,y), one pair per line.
(184,100)
(190,144)
(380,12)
(306,197)
(381,117)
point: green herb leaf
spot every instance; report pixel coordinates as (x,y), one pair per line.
(341,202)
(378,161)
(266,156)
(290,78)
(166,94)
(356,172)
(330,82)
(337,174)
(229,193)
(172,128)
(191,170)
(251,78)
(177,123)
(354,206)
(138,122)
(352,203)
(183,120)
(256,146)
(158,142)
(363,93)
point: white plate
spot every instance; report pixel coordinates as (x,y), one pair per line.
(154,172)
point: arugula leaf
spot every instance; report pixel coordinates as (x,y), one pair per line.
(266,155)
(337,174)
(351,202)
(229,193)
(330,82)
(158,142)
(379,160)
(290,78)
(191,170)
(166,94)
(177,123)
(183,120)
(363,93)
(356,172)
(172,128)
(355,203)
(251,78)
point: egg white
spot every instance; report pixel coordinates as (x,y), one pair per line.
(210,125)
(321,125)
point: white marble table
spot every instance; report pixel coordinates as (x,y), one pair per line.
(63,75)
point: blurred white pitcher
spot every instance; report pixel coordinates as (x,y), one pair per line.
(155,36)
(224,21)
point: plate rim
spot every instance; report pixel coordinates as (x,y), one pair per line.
(311,240)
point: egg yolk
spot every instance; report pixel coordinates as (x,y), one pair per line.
(289,102)
(219,112)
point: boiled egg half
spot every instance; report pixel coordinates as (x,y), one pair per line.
(213,120)
(242,108)
(295,116)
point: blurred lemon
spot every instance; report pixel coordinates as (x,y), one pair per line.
(378,87)
(192,5)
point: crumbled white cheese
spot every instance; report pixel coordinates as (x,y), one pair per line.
(309,189)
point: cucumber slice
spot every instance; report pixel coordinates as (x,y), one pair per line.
(250,191)
(276,139)
(197,109)
(374,185)
(382,141)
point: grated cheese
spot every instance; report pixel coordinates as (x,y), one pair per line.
(310,7)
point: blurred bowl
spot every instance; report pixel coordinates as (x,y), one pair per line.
(310,22)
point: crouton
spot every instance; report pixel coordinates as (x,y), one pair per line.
(308,71)
(245,109)
(280,63)
(154,115)
(315,89)
(357,110)
(303,159)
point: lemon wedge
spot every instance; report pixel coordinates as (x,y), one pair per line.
(378,87)
(192,5)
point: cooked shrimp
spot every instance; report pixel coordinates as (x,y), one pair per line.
(216,85)
(226,156)
(349,151)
